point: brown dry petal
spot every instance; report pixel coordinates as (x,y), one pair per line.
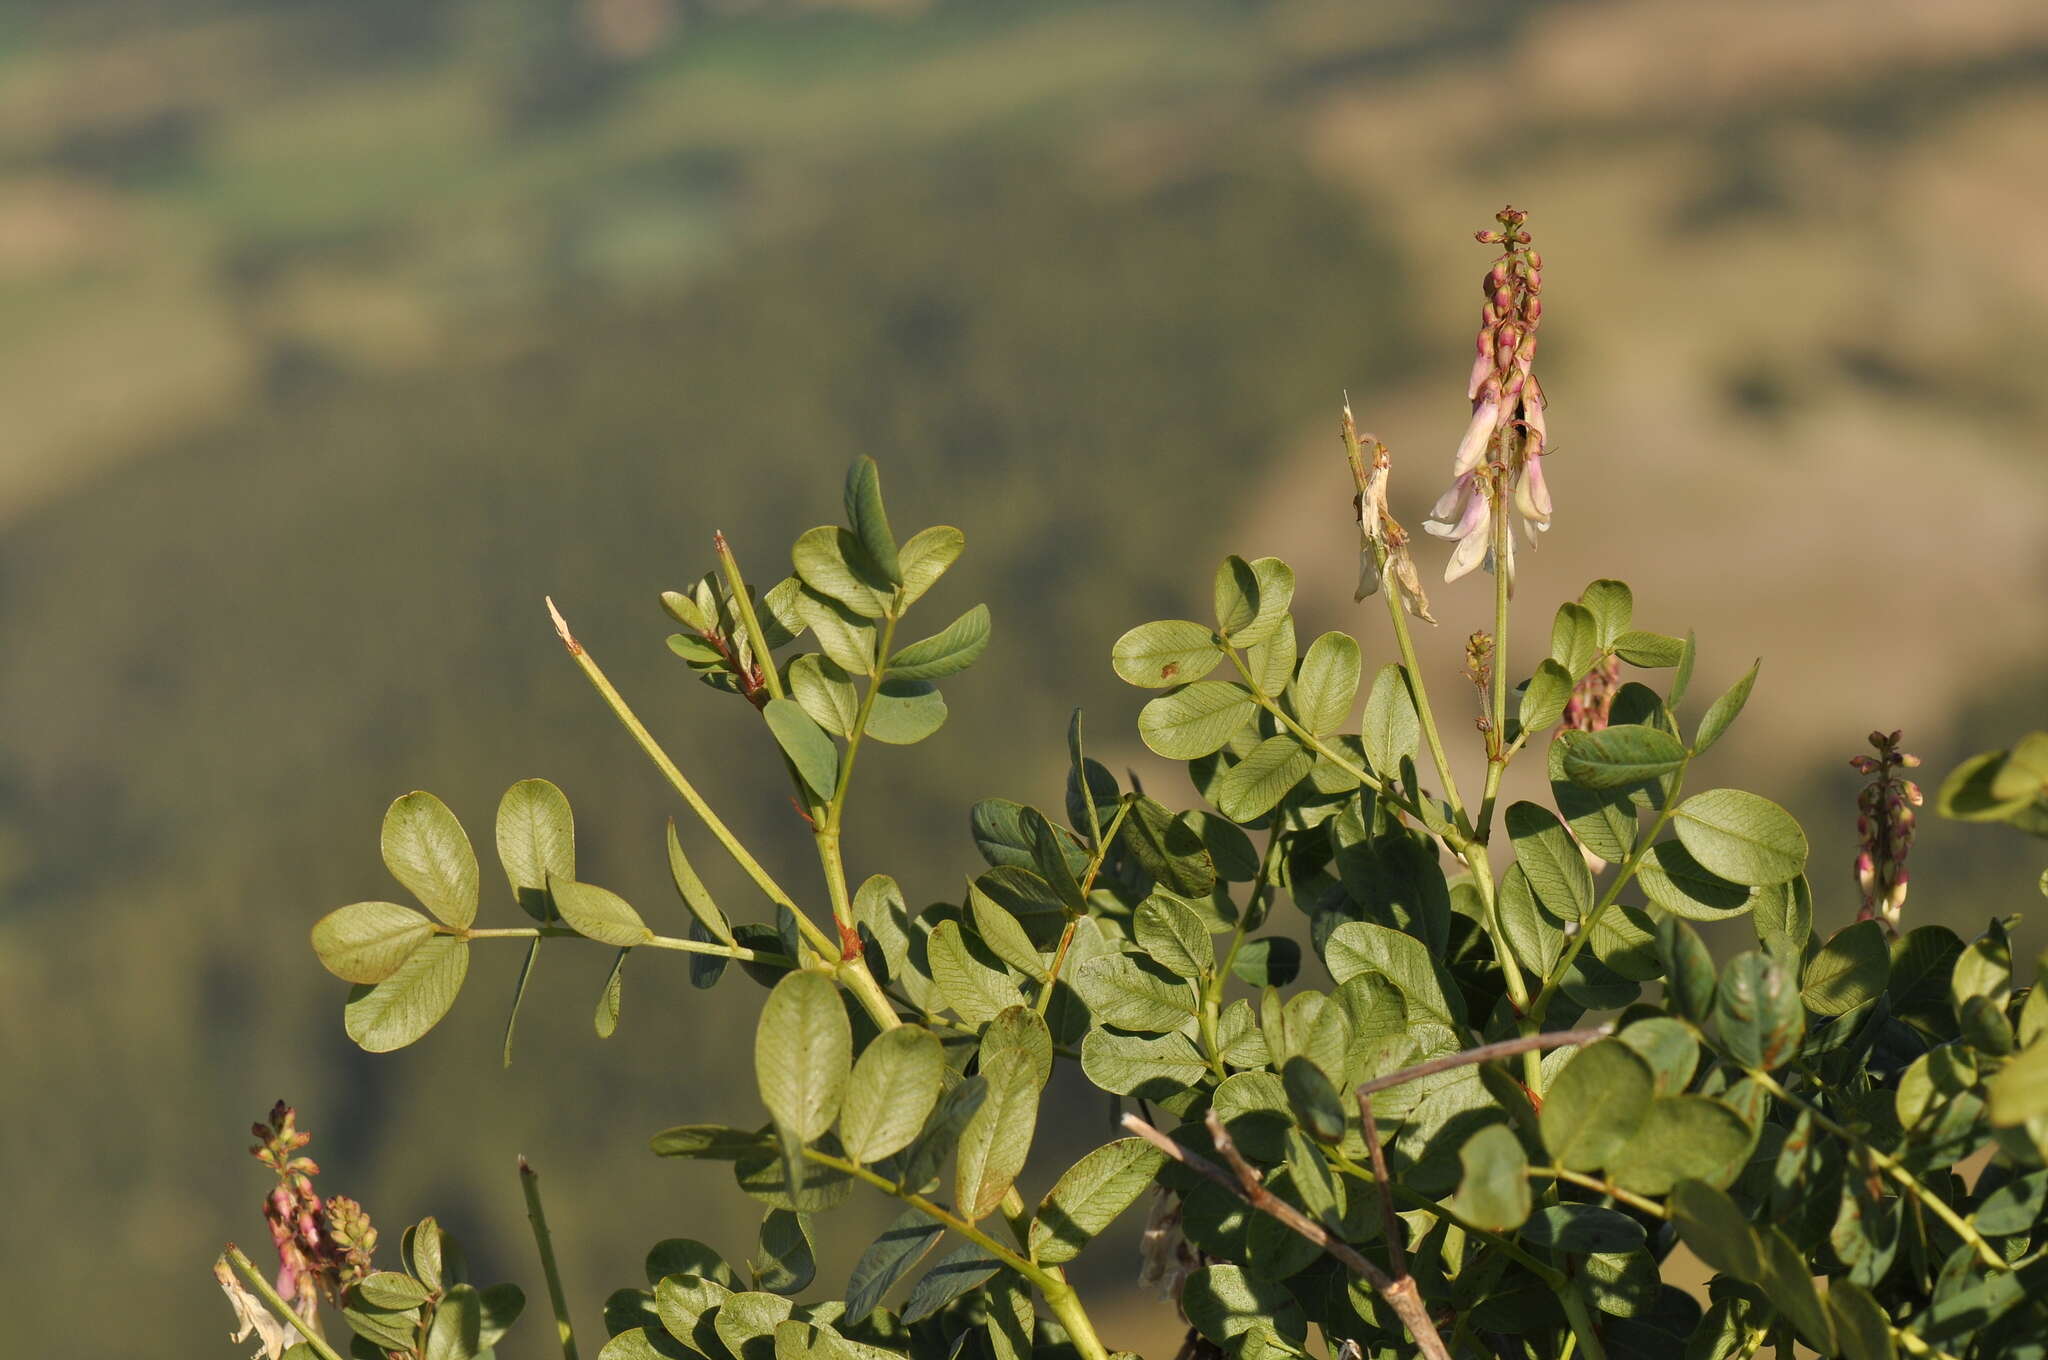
(273,1336)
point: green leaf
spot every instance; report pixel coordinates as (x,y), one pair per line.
(812,753)
(2019,1091)
(536,838)
(1150,1069)
(1672,879)
(1612,604)
(1196,721)
(1004,935)
(905,712)
(1681,1138)
(426,849)
(803,1049)
(1168,848)
(368,941)
(598,914)
(1363,946)
(870,522)
(888,1259)
(1252,787)
(997,1139)
(1604,820)
(1757,1011)
(711,1142)
(1596,1104)
(1313,1098)
(1168,652)
(404,1006)
(691,889)
(828,560)
(1225,1302)
(946,653)
(1274,961)
(1723,712)
(894,1087)
(1390,730)
(1689,971)
(1551,859)
(687,1304)
(392,1290)
(784,1263)
(1252,598)
(843,635)
(1582,1228)
(976,989)
(958,1271)
(606,1018)
(1788,1280)
(1173,937)
(1133,993)
(826,692)
(456,1332)
(1670,1049)
(1849,970)
(746,1323)
(1862,1329)
(1742,837)
(1328,683)
(1493,1193)
(1784,919)
(1653,651)
(925,558)
(1089,1196)
(1270,662)
(1545,696)
(1617,757)
(1716,1230)
(1575,639)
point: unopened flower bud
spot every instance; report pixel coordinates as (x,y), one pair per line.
(1488,238)
(1496,278)
(1534,257)
(1532,310)
(1482,366)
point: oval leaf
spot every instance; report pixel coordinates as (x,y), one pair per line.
(803,1048)
(368,941)
(404,1006)
(426,849)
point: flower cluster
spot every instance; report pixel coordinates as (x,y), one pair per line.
(1592,701)
(323,1247)
(1501,455)
(1884,828)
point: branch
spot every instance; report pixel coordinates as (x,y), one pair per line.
(1506,1048)
(1401,1295)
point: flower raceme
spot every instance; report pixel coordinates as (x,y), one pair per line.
(1500,456)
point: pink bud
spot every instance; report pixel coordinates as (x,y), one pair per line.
(1535,258)
(1503,301)
(1481,367)
(1532,310)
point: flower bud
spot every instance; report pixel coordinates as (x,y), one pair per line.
(1503,301)
(1482,366)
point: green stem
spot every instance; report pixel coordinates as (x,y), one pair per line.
(1608,1188)
(1048,1280)
(631,722)
(1581,1319)
(725,951)
(1496,741)
(1419,691)
(1103,840)
(1907,1181)
(1387,791)
(1212,991)
(742,602)
(565,1333)
(254,1279)
(860,723)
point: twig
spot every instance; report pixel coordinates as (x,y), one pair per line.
(1391,1221)
(1506,1048)
(1401,1295)
(529,1182)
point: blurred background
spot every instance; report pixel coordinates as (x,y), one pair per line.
(334,335)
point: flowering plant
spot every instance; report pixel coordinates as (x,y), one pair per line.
(1475,1117)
